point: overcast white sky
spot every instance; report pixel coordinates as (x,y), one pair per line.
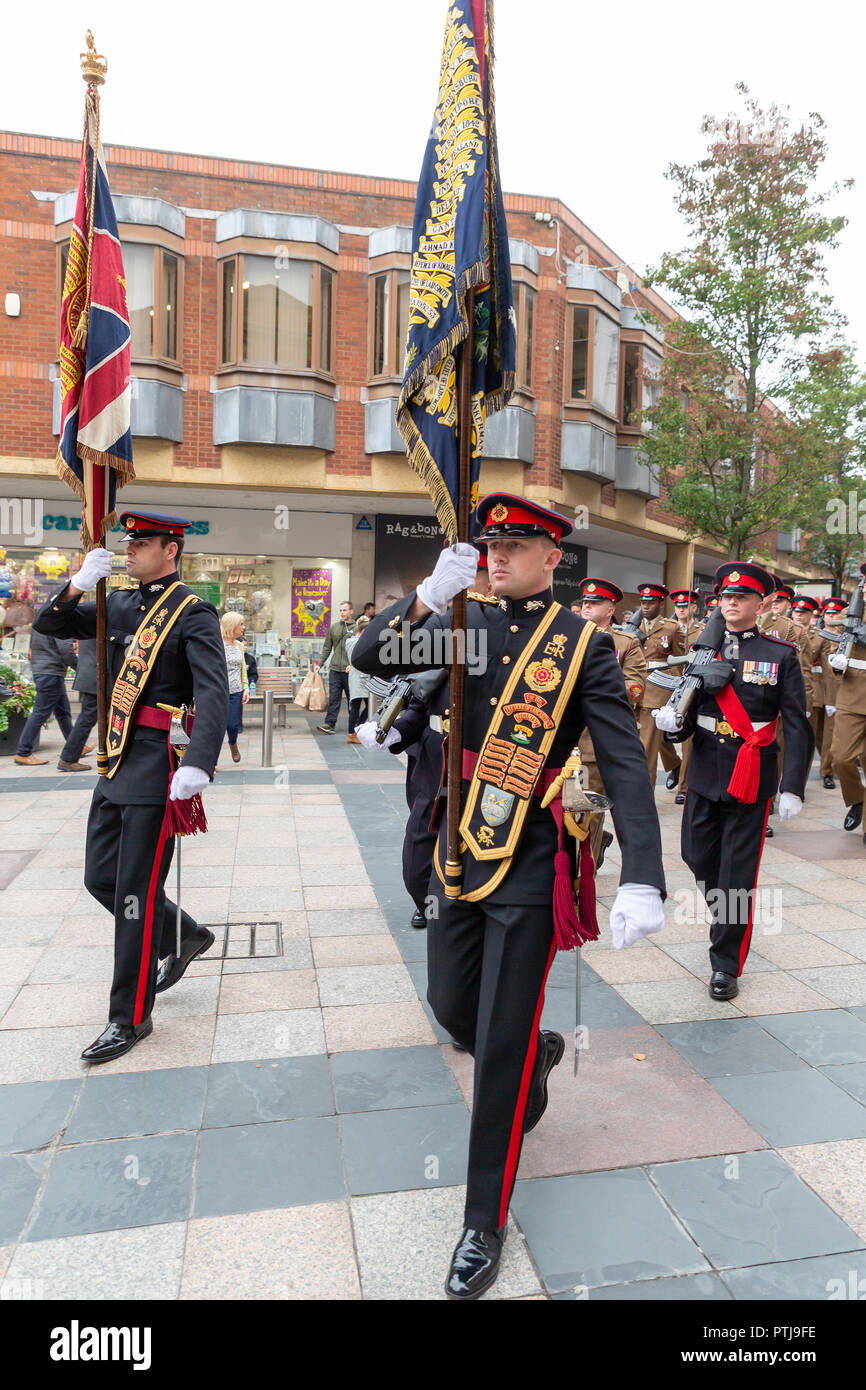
(593,101)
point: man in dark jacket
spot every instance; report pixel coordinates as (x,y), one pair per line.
(49,659)
(338,675)
(85,684)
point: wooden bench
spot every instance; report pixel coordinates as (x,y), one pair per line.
(281,682)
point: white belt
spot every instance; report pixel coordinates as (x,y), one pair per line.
(706,721)
(657,665)
(436,723)
(857,665)
(816,670)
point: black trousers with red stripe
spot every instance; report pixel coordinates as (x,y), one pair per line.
(722,843)
(126,863)
(487,968)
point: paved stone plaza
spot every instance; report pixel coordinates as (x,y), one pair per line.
(296,1126)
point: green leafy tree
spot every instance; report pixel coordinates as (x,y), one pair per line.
(751,286)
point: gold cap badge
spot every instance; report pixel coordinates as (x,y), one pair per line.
(498,513)
(733,576)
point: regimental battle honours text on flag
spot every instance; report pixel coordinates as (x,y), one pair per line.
(460,242)
(94,456)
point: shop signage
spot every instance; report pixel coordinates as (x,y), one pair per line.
(407,548)
(311,602)
(363,525)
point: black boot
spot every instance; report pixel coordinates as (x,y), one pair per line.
(672,779)
(173,968)
(475,1263)
(830,783)
(854,816)
(723,986)
(680,799)
(554,1046)
(606,842)
(418,919)
(117,1039)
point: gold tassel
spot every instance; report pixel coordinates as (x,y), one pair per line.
(79,338)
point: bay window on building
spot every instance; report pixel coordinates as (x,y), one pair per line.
(389,319)
(153,288)
(592,348)
(524,306)
(276,312)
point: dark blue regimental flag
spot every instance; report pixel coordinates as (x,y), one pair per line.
(459,242)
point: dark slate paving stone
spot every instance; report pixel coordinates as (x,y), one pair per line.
(249,1093)
(108,1187)
(399,1150)
(601,1228)
(147,1102)
(693,1288)
(851,1078)
(763,1214)
(729,1047)
(412,945)
(20,1179)
(392,1078)
(251,1167)
(830,1278)
(32,1113)
(823,1037)
(794,1107)
(562,972)
(600,1007)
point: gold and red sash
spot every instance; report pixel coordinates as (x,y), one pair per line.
(517,742)
(138,664)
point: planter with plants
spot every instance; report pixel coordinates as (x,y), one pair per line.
(17,698)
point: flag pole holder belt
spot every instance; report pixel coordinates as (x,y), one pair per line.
(153,718)
(726,730)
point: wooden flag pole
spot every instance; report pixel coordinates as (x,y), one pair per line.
(454,858)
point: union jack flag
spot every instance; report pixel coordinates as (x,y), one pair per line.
(94,456)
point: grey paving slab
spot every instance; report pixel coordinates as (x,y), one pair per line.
(255,1167)
(750,1208)
(730,1047)
(794,1107)
(392,1078)
(412,945)
(33,1113)
(823,1037)
(600,1007)
(20,1179)
(396,1150)
(146,1102)
(602,1228)
(133,1265)
(691,1288)
(825,1278)
(851,1078)
(284,1088)
(109,1186)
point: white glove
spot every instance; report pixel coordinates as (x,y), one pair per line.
(96,566)
(367,734)
(637,911)
(838,662)
(455,570)
(789,805)
(829,710)
(187,781)
(667,721)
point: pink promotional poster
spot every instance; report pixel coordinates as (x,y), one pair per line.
(311,602)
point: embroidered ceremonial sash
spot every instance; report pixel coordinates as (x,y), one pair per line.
(518,740)
(746,776)
(132,678)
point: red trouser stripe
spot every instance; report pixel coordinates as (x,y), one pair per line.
(744,944)
(148,927)
(522,1096)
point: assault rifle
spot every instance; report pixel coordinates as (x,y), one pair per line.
(703,671)
(632,628)
(397,693)
(853,629)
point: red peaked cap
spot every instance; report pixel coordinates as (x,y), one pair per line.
(742,577)
(806,601)
(833,605)
(712,602)
(652,590)
(685,596)
(139,525)
(592,588)
(502,515)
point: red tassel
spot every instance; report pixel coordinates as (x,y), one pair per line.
(184,817)
(586,894)
(746,775)
(566,928)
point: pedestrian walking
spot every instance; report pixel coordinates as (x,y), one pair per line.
(232,628)
(358,694)
(50,658)
(85,683)
(338,674)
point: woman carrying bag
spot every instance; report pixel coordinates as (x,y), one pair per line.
(232,625)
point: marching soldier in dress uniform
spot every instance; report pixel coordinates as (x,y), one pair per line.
(712,604)
(164,649)
(543,674)
(849,732)
(774,621)
(599,598)
(734,768)
(660,632)
(816,650)
(831,619)
(689,628)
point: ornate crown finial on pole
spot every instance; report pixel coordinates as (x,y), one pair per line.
(93,65)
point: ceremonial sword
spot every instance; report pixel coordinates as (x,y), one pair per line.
(179,740)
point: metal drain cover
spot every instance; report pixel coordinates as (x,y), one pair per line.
(246,940)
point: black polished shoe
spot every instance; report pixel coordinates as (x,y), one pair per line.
(723,986)
(768,833)
(672,779)
(680,799)
(475,1263)
(853,817)
(117,1039)
(173,967)
(554,1046)
(830,783)
(418,919)
(606,842)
